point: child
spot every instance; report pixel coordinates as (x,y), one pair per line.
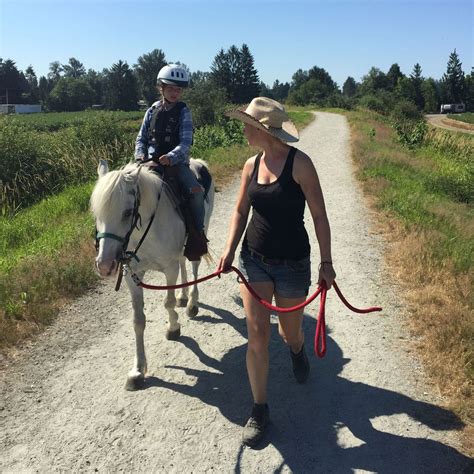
(166,136)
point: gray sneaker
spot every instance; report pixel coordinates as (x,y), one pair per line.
(255,427)
(300,365)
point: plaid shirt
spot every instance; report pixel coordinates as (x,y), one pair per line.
(178,155)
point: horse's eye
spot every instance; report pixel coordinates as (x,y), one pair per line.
(126,214)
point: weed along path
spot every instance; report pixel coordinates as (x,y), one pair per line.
(365,407)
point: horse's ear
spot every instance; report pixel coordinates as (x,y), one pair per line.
(103,168)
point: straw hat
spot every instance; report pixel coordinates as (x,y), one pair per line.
(267,115)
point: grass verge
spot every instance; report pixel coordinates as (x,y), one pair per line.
(431,228)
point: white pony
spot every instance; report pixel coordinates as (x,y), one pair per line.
(125,203)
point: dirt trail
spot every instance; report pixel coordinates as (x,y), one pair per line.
(442,121)
(366,406)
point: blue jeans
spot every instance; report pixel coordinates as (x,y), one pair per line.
(291,278)
(194,192)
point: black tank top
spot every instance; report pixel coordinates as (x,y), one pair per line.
(276,229)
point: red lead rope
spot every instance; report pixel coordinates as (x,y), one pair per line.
(320,334)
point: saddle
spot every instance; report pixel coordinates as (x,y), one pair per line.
(196,242)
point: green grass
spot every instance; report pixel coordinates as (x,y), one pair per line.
(425,198)
(467,117)
(53,121)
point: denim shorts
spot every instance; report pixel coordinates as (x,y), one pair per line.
(291,278)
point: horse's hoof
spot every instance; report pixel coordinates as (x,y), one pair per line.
(173,335)
(182,302)
(193,311)
(134,383)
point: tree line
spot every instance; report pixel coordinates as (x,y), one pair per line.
(232,78)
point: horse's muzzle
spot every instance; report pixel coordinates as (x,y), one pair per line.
(106,268)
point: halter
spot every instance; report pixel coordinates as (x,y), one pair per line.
(127,255)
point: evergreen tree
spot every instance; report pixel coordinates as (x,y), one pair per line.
(220,71)
(349,88)
(280,90)
(121,91)
(12,83)
(394,74)
(453,80)
(147,68)
(235,72)
(249,81)
(417,79)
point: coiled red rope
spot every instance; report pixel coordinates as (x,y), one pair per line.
(320,333)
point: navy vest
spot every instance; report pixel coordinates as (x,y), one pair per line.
(164,128)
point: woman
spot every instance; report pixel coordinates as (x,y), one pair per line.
(275,255)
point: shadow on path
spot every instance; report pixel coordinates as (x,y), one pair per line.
(308,420)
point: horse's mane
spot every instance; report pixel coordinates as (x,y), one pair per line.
(111,189)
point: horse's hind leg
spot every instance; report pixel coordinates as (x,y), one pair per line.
(183,292)
(192,307)
(174,329)
(136,375)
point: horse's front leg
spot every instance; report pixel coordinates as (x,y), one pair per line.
(174,329)
(183,292)
(192,307)
(136,375)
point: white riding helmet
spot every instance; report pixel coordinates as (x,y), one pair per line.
(174,75)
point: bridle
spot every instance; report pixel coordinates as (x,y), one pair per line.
(127,255)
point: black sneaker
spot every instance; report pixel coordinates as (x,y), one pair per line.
(300,365)
(255,427)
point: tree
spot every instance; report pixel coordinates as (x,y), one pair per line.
(280,90)
(74,68)
(235,72)
(12,83)
(43,91)
(121,92)
(372,82)
(147,68)
(469,91)
(55,70)
(394,74)
(298,79)
(312,87)
(32,80)
(249,84)
(96,81)
(349,88)
(71,94)
(452,82)
(417,79)
(220,71)
(430,95)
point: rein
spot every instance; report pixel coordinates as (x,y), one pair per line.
(320,333)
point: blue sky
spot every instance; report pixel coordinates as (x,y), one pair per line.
(344,37)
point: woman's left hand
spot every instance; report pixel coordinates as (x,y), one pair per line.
(326,274)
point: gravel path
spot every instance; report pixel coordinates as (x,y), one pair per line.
(366,406)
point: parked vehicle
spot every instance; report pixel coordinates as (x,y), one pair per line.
(452,109)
